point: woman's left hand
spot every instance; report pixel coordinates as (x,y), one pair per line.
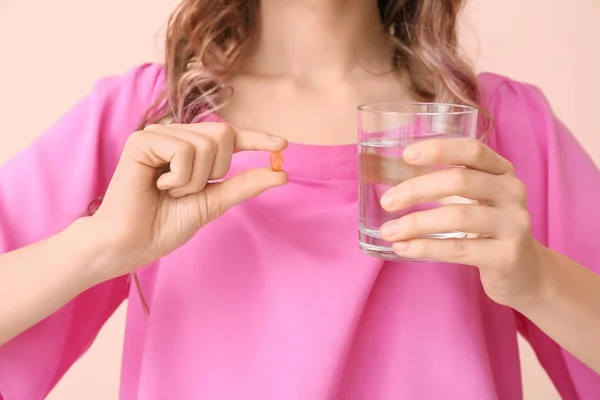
(508,257)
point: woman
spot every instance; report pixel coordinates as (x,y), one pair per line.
(255,286)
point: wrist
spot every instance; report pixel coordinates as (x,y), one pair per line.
(548,274)
(99,257)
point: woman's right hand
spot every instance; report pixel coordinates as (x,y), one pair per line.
(161,193)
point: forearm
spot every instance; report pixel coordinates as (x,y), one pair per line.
(569,309)
(37,280)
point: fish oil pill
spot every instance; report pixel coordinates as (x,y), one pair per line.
(276,161)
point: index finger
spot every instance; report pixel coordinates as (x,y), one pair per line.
(244,139)
(255,140)
(470,153)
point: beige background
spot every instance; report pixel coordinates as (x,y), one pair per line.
(52,52)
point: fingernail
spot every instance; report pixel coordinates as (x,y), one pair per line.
(411,153)
(389,228)
(387,201)
(400,246)
(274,138)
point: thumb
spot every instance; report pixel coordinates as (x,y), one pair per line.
(246,185)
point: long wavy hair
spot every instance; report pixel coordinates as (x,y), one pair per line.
(207,38)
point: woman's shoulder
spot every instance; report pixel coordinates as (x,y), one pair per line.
(148,73)
(520,112)
(117,104)
(102,119)
(141,83)
(501,93)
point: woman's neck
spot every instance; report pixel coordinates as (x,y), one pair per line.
(318,40)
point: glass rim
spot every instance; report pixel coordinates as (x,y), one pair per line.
(457,109)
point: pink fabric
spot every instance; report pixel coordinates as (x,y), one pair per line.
(274,300)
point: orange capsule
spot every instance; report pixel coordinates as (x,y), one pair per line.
(276,161)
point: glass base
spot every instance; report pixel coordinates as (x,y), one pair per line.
(371,243)
(386,253)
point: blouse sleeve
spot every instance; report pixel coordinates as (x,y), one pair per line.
(564,202)
(45,188)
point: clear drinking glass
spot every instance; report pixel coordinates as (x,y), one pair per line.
(385,130)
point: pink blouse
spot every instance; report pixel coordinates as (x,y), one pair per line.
(248,310)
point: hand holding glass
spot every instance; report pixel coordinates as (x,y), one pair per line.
(385,130)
